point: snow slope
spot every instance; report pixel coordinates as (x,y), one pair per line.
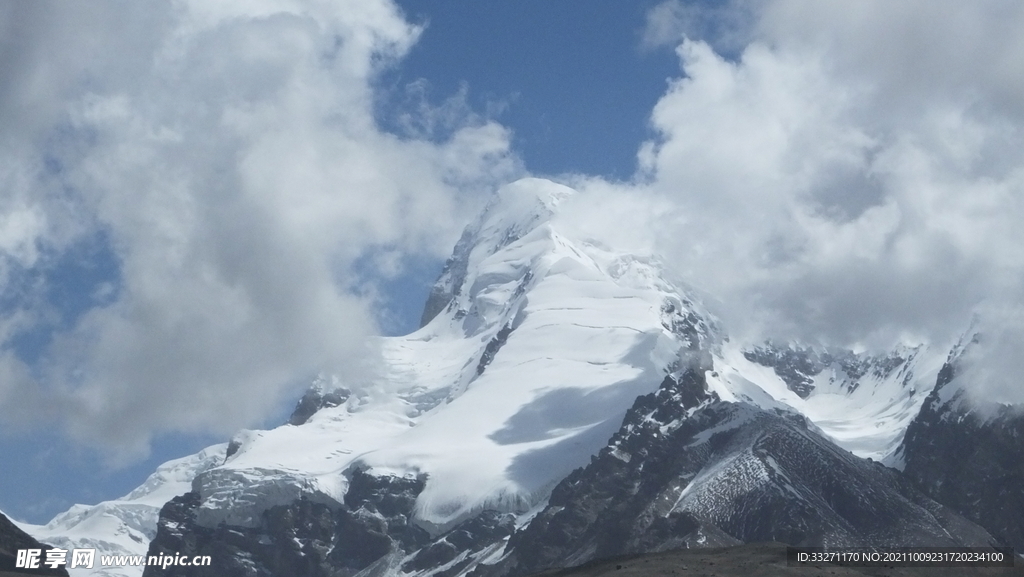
(124,526)
(864,403)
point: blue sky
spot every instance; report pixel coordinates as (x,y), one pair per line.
(572,79)
(203,204)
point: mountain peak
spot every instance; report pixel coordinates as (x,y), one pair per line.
(515,210)
(528,196)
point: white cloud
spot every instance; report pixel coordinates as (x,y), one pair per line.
(726,25)
(855,176)
(229,152)
(990,367)
(917,52)
(19,228)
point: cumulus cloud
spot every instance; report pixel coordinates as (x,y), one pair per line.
(854,176)
(227,153)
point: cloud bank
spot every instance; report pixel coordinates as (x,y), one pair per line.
(854,175)
(224,156)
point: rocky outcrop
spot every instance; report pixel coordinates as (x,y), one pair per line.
(453,275)
(302,538)
(454,551)
(371,533)
(492,348)
(797,366)
(11,540)
(970,459)
(688,470)
(316,397)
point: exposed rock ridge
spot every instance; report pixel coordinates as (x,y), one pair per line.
(688,470)
(969,458)
(797,366)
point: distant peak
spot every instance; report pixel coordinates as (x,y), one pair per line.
(530,192)
(524,201)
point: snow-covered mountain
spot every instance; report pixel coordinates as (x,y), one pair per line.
(575,326)
(527,368)
(534,323)
(537,347)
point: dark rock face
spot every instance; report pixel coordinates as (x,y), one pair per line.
(313,400)
(492,348)
(797,366)
(12,539)
(370,534)
(293,540)
(972,461)
(303,538)
(687,470)
(453,275)
(692,330)
(485,529)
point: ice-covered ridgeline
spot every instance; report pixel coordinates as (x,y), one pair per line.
(536,344)
(864,402)
(124,526)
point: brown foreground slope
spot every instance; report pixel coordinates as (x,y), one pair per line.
(754,560)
